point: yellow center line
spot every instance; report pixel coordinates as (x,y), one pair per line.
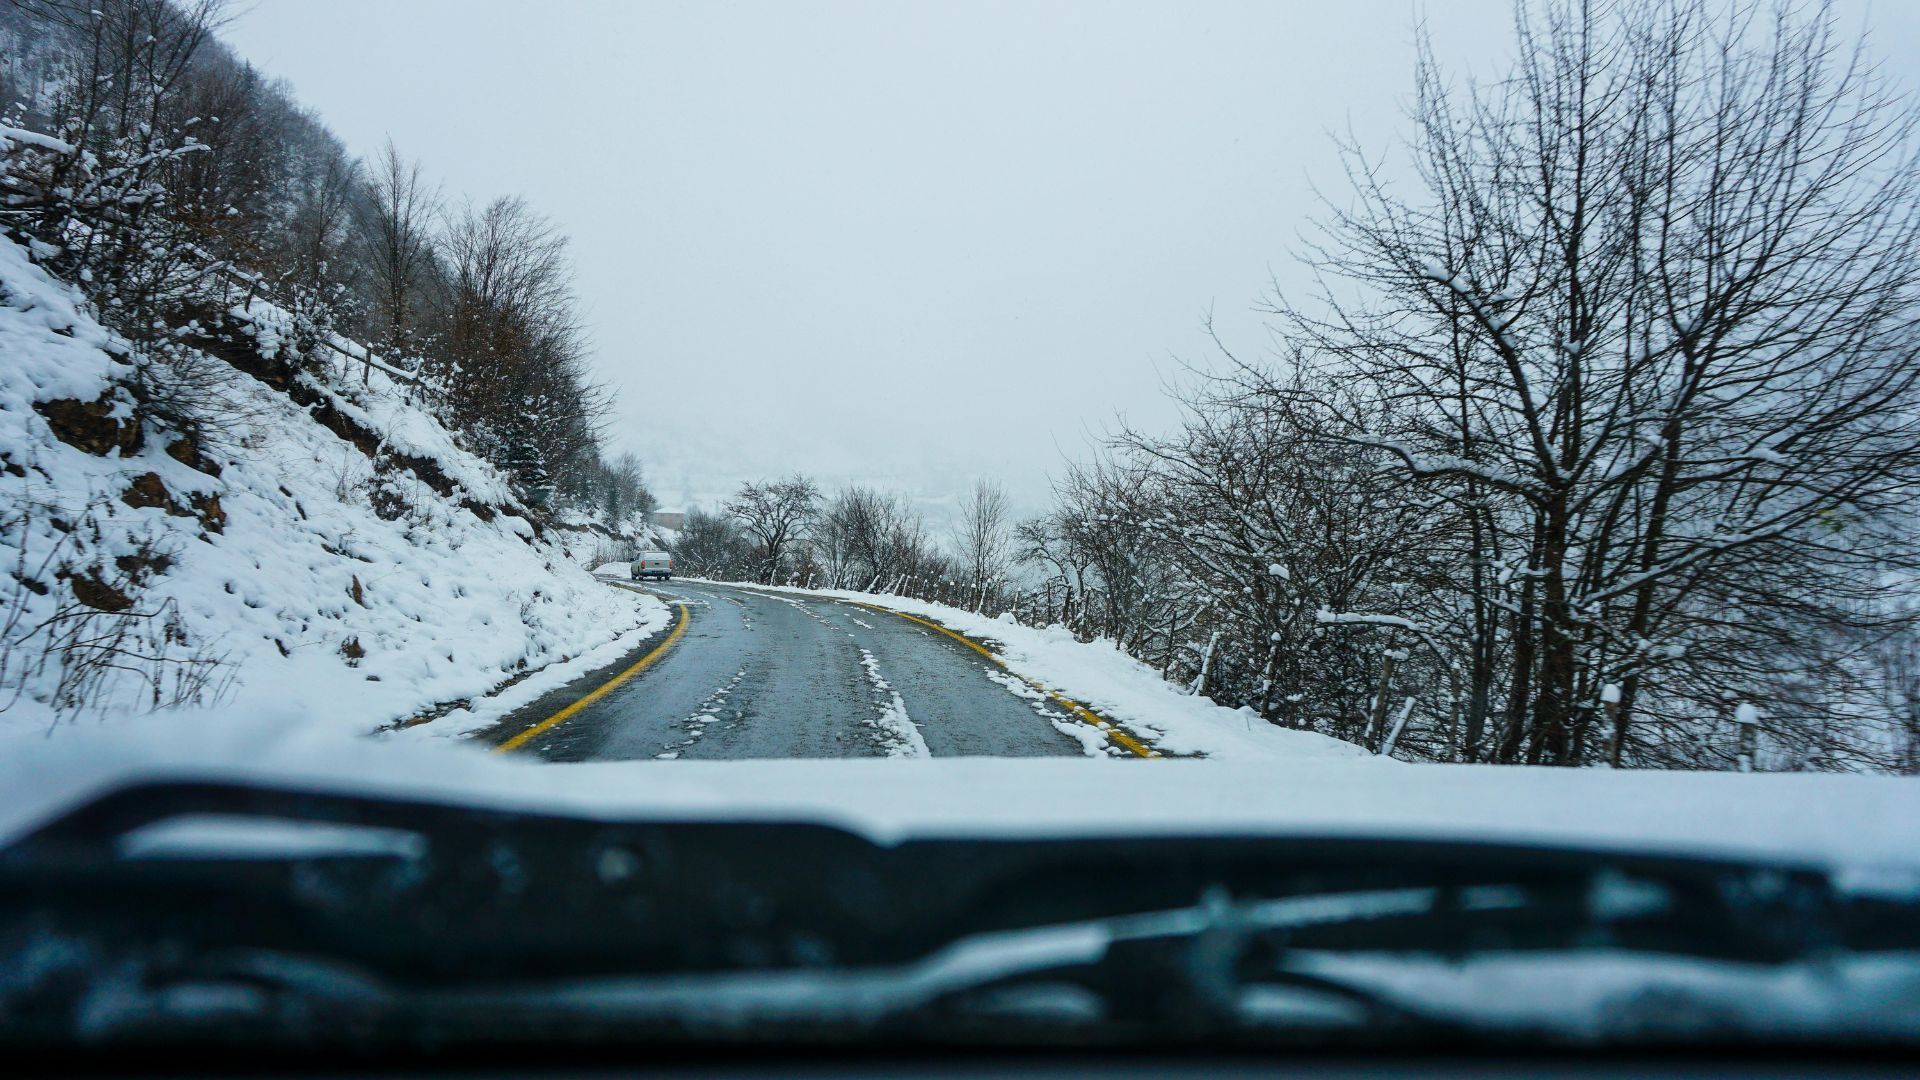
(605,688)
(1108,728)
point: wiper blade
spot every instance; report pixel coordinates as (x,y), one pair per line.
(442,907)
(989,977)
(1023,982)
(1213,974)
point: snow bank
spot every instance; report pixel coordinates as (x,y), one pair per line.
(318,608)
(1097,674)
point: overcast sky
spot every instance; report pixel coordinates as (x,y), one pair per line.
(899,243)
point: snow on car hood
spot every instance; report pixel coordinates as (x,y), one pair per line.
(1865,823)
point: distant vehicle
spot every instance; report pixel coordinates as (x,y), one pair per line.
(653,564)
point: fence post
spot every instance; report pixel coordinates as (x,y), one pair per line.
(1399,725)
(1206,666)
(1748,717)
(1377,720)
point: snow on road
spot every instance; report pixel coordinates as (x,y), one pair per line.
(815,684)
(898,730)
(709,710)
(1113,684)
(1090,738)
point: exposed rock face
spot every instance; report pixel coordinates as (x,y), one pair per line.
(91,426)
(185,449)
(207,509)
(148,489)
(97,594)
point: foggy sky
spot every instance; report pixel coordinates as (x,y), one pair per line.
(898,243)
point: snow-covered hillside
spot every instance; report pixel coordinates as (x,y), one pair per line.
(329,554)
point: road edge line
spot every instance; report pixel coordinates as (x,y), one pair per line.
(679,627)
(1128,741)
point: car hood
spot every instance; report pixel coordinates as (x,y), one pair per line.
(1863,823)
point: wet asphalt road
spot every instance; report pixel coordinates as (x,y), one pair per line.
(767,675)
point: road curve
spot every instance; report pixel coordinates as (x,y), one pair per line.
(772,675)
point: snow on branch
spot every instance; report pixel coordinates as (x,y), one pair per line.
(1354,618)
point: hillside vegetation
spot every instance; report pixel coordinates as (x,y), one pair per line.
(276,435)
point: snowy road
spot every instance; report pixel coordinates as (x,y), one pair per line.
(761,675)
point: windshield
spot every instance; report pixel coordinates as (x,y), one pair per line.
(1190,527)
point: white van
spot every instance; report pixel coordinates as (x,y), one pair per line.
(653,564)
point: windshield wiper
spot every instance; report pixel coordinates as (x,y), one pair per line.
(165,911)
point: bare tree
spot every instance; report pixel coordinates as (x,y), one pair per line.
(711,545)
(1648,335)
(873,540)
(624,489)
(511,350)
(1604,432)
(984,538)
(775,516)
(1257,537)
(1050,545)
(395,232)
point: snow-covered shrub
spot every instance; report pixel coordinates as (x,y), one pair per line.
(82,626)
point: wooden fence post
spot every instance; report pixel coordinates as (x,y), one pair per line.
(1377,720)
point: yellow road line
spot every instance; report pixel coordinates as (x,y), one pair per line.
(1108,728)
(605,688)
